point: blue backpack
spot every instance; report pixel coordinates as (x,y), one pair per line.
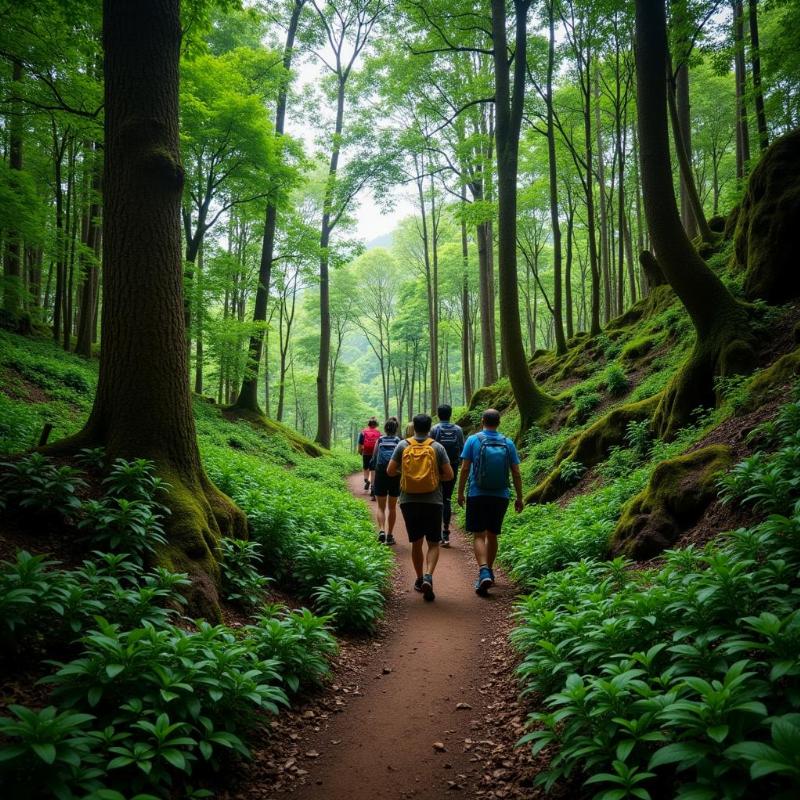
(494,460)
(384,449)
(447,434)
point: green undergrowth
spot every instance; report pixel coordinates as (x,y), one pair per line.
(681,680)
(140,698)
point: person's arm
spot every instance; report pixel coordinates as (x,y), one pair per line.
(466,465)
(517,476)
(361,443)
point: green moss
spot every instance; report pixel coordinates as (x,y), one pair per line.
(591,446)
(766,228)
(766,382)
(638,348)
(678,492)
(273,428)
(658,300)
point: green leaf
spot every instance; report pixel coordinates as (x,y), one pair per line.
(46,751)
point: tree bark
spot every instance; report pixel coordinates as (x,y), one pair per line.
(88,259)
(755,65)
(531,402)
(558,321)
(142,407)
(248,394)
(466,333)
(740,72)
(685,127)
(12,265)
(722,344)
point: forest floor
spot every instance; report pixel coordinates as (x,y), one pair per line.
(427,709)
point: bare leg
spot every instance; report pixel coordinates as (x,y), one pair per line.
(392,513)
(491,548)
(432,557)
(417,558)
(481,548)
(382,514)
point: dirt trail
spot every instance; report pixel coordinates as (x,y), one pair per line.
(382,745)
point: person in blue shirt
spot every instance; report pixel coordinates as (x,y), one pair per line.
(487,459)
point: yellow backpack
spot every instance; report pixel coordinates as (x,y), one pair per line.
(419,467)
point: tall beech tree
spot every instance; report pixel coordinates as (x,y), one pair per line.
(723,345)
(142,407)
(531,401)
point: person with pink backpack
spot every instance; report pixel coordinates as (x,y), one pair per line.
(367,440)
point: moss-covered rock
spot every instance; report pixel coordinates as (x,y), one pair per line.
(638,348)
(270,426)
(782,372)
(680,489)
(768,226)
(591,446)
(657,300)
(498,395)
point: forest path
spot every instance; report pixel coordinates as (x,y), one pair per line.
(437,655)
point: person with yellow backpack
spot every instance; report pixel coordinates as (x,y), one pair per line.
(422,465)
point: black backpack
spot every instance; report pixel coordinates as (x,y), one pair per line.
(447,434)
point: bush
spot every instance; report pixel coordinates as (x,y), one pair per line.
(571,471)
(616,380)
(241,580)
(352,605)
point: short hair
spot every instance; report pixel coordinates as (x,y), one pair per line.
(372,422)
(391,426)
(444,412)
(422,423)
(491,417)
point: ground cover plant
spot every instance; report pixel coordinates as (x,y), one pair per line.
(686,673)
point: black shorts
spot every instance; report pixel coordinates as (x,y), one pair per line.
(486,514)
(384,485)
(423,519)
(366,459)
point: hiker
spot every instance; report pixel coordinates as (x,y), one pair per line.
(366,447)
(422,465)
(451,437)
(386,489)
(487,458)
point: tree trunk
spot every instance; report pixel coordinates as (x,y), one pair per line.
(558,322)
(486,297)
(466,333)
(248,394)
(532,403)
(12,266)
(568,270)
(88,260)
(740,72)
(198,354)
(142,407)
(755,65)
(685,127)
(722,345)
(605,248)
(323,436)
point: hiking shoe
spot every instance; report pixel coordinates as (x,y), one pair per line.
(427,587)
(390,539)
(418,584)
(484,582)
(445,538)
(372,497)
(366,486)
(382,537)
(491,575)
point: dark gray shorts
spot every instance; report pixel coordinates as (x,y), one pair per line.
(486,514)
(423,519)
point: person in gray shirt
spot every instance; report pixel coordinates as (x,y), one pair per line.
(423,465)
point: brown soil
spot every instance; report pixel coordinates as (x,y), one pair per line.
(390,726)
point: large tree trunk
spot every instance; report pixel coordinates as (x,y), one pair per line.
(142,407)
(12,265)
(685,127)
(248,394)
(466,333)
(722,346)
(486,298)
(531,402)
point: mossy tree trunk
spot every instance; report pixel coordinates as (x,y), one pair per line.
(142,407)
(531,401)
(12,264)
(723,345)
